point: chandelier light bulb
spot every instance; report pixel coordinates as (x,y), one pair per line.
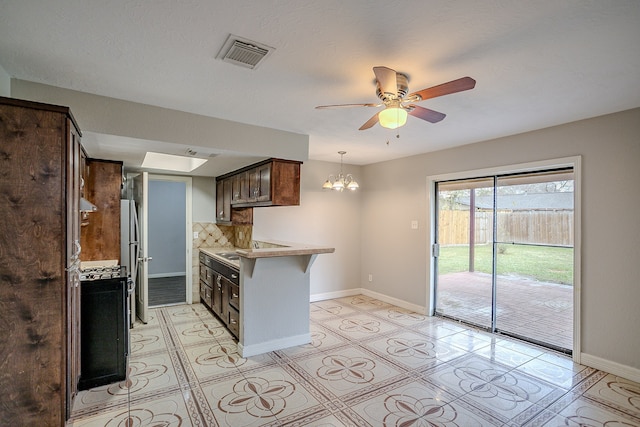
(341,181)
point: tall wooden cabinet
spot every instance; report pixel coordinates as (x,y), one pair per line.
(39,260)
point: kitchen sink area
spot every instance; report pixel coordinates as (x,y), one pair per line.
(229,257)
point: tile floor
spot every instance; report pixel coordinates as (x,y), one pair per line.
(369,364)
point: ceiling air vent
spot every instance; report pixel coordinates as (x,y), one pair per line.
(243,52)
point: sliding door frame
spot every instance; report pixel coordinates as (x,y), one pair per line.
(573,162)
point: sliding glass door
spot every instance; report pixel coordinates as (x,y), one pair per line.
(515,277)
(465,241)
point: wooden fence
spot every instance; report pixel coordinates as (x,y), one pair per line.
(538,227)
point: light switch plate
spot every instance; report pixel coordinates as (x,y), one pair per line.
(414,224)
(195,234)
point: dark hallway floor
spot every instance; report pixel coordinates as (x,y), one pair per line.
(167,290)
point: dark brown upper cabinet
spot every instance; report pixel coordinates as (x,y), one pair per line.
(273,182)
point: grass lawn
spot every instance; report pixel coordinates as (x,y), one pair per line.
(545,264)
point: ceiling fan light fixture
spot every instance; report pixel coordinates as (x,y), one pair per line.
(392,117)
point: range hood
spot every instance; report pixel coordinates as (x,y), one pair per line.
(87,206)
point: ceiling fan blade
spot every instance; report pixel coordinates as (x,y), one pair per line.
(426,114)
(387,79)
(320,107)
(372,121)
(459,85)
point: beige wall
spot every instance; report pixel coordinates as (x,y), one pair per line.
(204,199)
(104,115)
(396,193)
(5,83)
(324,217)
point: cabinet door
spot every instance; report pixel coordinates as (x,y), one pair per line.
(233,321)
(223,200)
(254,185)
(205,293)
(219,200)
(234,295)
(236,189)
(245,184)
(264,183)
(240,188)
(218,295)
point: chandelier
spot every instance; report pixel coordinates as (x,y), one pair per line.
(341,181)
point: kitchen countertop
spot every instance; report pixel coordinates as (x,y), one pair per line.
(272,249)
(277,249)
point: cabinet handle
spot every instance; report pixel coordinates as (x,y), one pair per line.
(233,321)
(235,295)
(234,276)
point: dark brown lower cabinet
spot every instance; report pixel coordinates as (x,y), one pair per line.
(220,291)
(39,260)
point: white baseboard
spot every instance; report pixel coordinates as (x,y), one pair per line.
(362,291)
(279,344)
(397,302)
(614,368)
(335,294)
(174,274)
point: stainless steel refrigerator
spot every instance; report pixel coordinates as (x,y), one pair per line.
(129,248)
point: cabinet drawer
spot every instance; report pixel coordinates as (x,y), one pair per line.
(234,322)
(206,275)
(206,260)
(234,295)
(205,293)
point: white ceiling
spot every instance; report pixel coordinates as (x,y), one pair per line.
(536,63)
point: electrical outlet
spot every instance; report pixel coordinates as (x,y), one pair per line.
(195,234)
(414,224)
(370,277)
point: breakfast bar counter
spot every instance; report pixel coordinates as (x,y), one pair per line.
(275,293)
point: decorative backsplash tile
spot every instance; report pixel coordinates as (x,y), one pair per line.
(243,236)
(211,235)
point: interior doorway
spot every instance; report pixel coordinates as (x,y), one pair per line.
(169,232)
(504,254)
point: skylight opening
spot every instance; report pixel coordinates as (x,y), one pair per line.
(171,162)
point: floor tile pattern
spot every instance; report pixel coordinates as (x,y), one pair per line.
(368,364)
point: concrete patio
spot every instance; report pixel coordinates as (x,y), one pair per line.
(537,310)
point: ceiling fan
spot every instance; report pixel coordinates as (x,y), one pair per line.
(392,88)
